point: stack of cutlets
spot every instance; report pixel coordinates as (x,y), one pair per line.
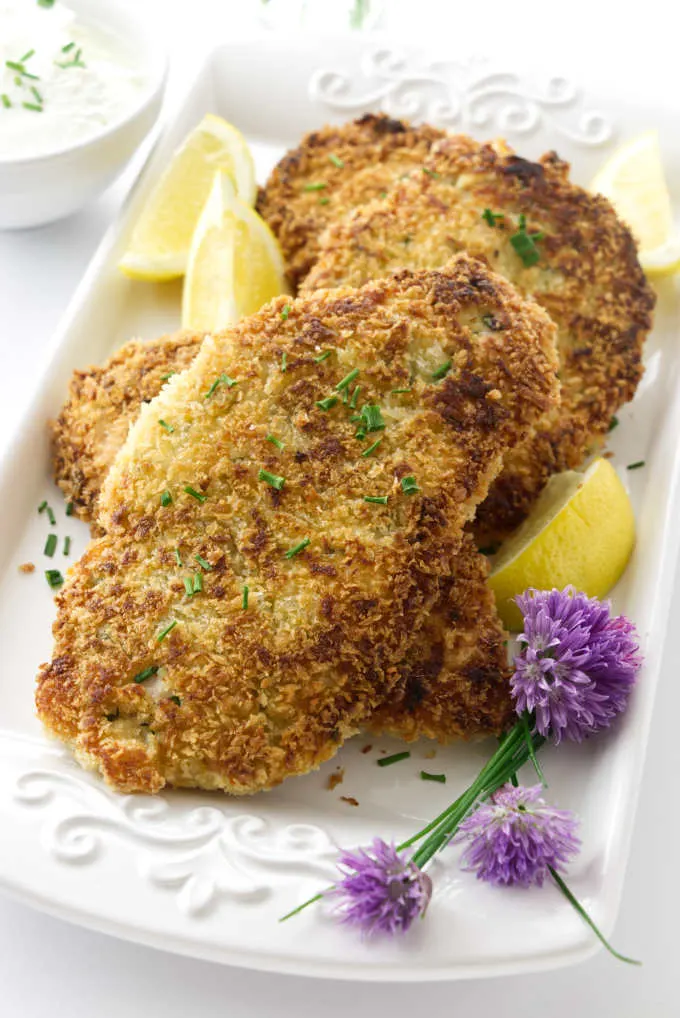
(297,558)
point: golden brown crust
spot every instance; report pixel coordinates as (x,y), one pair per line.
(588,279)
(103,402)
(335,157)
(454,680)
(243,699)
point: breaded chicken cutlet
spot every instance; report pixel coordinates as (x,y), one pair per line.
(247,608)
(322,179)
(103,402)
(558,244)
(453,681)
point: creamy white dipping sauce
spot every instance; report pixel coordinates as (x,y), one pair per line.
(72,79)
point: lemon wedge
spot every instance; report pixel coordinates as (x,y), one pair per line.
(160,241)
(633,180)
(581,531)
(235,264)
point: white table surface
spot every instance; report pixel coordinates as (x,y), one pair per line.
(50,968)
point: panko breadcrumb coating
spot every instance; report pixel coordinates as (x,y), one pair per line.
(103,402)
(470,196)
(454,681)
(322,179)
(233,628)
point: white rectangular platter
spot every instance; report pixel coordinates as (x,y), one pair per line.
(209,876)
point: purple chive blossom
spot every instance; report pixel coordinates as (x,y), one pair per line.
(578,664)
(381,891)
(515,836)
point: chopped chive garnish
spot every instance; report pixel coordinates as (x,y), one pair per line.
(322,356)
(326,404)
(164,632)
(372,418)
(32,106)
(166,499)
(441,778)
(14,65)
(273,479)
(198,583)
(491,217)
(43,506)
(284,362)
(37,94)
(67,545)
(315,187)
(178,557)
(489,549)
(377,499)
(244,598)
(50,516)
(221,380)
(395,392)
(345,396)
(188,586)
(285,312)
(367,452)
(166,427)
(195,494)
(164,378)
(275,441)
(146,674)
(27,56)
(69,508)
(524,243)
(54,578)
(68,47)
(355,417)
(324,201)
(385,761)
(431,173)
(5,100)
(175,699)
(636,465)
(45,3)
(409,486)
(336,160)
(202,562)
(347,380)
(442,370)
(297,548)
(50,545)
(355,396)
(613,423)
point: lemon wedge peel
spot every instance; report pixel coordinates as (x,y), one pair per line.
(581,532)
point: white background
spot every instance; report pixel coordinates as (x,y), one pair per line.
(50,968)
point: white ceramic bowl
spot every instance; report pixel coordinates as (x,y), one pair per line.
(39,189)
